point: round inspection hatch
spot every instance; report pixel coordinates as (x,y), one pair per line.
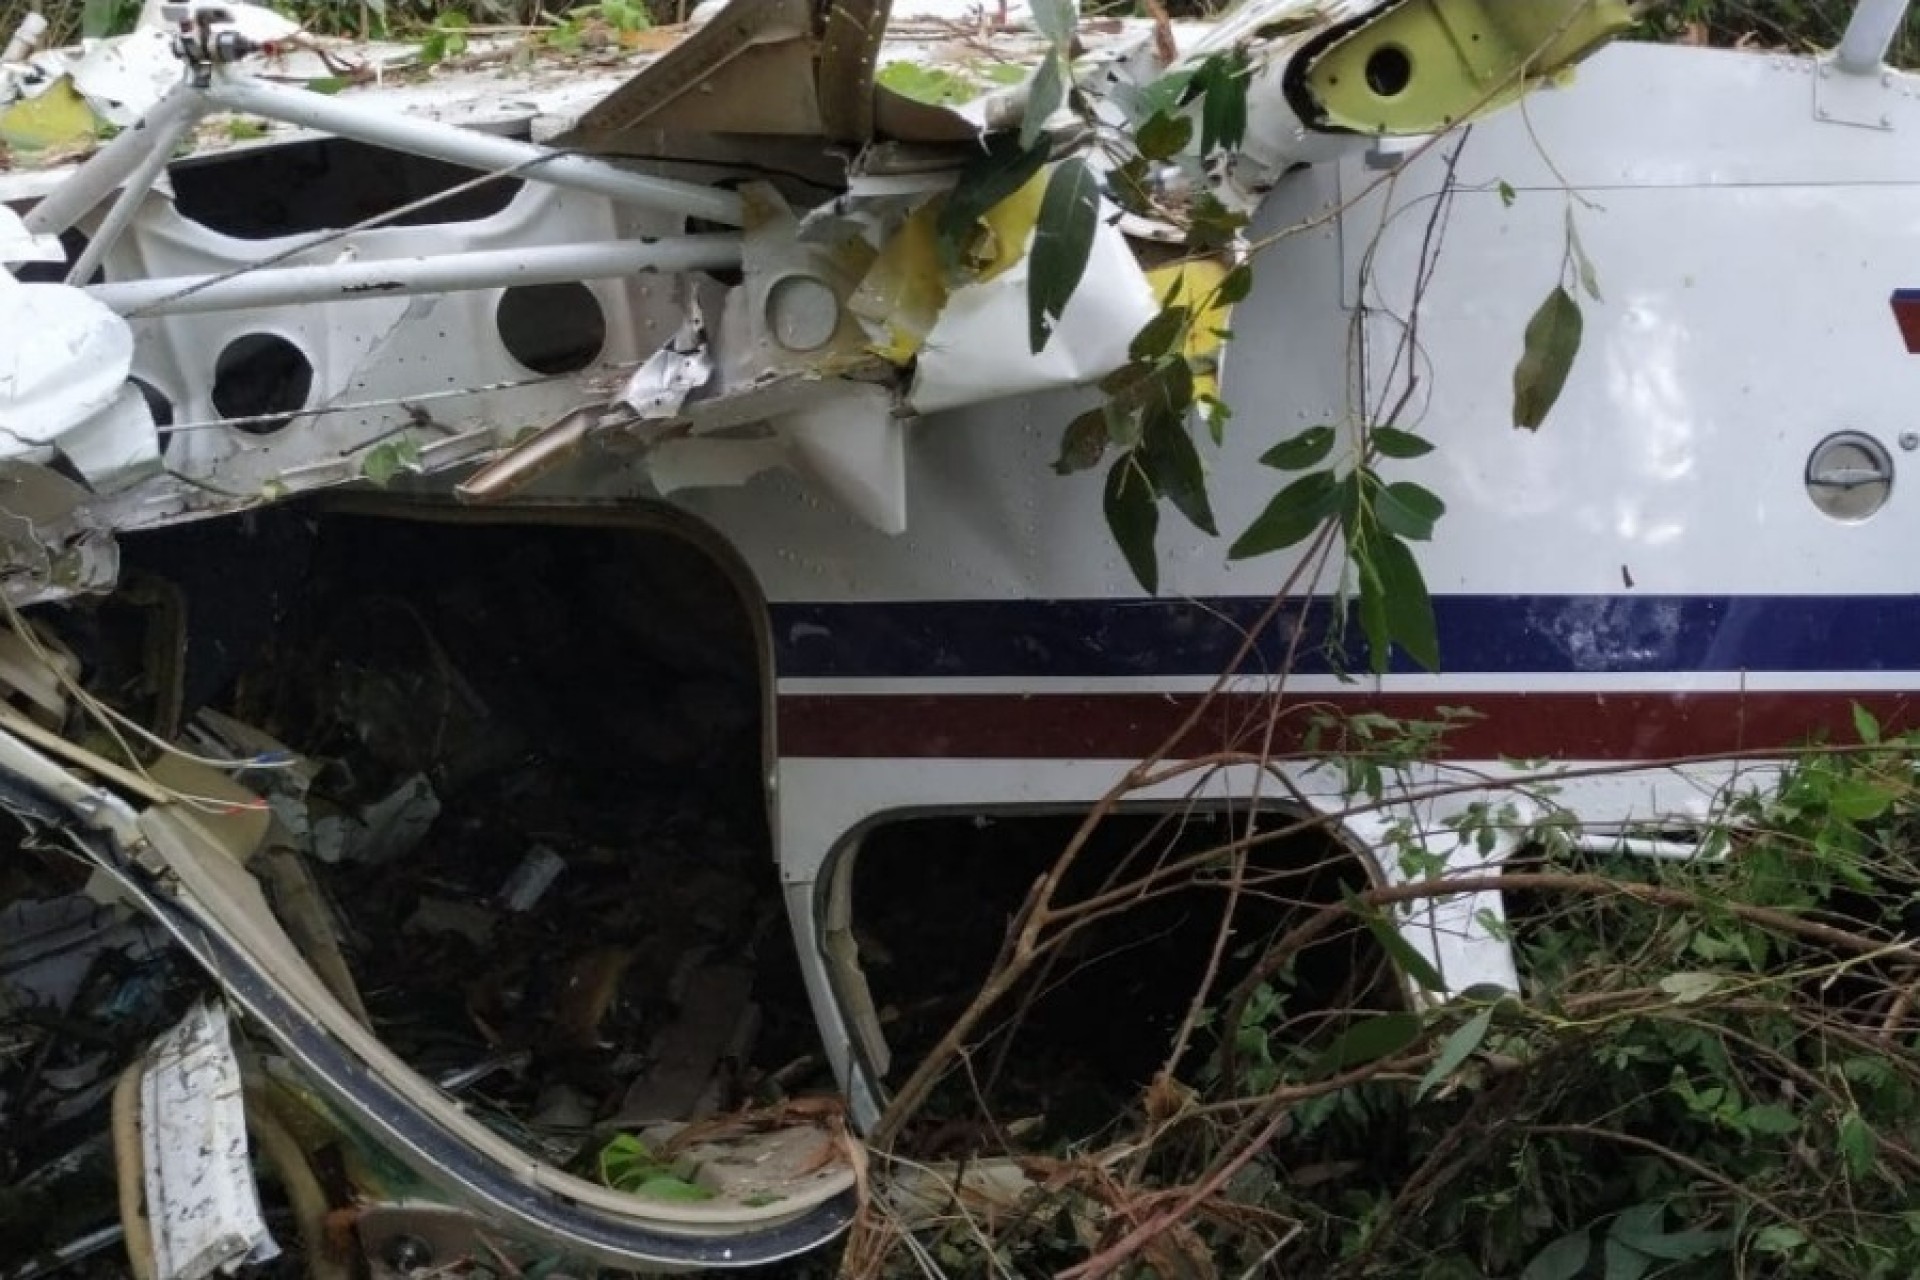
(1849,475)
(802,312)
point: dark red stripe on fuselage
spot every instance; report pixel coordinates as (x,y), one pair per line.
(1061,726)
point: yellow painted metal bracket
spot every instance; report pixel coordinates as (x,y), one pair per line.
(1427,64)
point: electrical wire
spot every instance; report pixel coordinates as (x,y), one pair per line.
(361,406)
(112,721)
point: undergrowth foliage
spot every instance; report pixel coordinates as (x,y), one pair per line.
(1709,1070)
(1708,1067)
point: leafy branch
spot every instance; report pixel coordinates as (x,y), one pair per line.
(1160,167)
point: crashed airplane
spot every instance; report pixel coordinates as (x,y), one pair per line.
(461,513)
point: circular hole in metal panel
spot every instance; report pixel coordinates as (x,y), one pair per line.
(552,328)
(264,377)
(1389,71)
(1849,475)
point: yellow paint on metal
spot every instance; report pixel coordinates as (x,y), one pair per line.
(906,288)
(59,117)
(1196,283)
(1428,64)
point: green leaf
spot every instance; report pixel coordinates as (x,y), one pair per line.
(1142,390)
(1160,336)
(1391,442)
(1307,449)
(1552,341)
(932,85)
(1642,1229)
(384,462)
(1857,799)
(1133,514)
(1583,265)
(1217,412)
(1044,96)
(1691,988)
(625,1163)
(1408,510)
(990,177)
(1211,225)
(1409,608)
(1778,1238)
(1055,19)
(1062,239)
(1857,1144)
(1083,443)
(1164,95)
(1235,286)
(1131,186)
(1458,1048)
(1563,1259)
(1865,725)
(1293,515)
(1164,136)
(1368,1040)
(1174,465)
(1222,82)
(1625,1262)
(1403,953)
(667,1187)
(1769,1118)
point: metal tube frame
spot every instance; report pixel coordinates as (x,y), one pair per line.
(440,141)
(402,277)
(106,169)
(1870,33)
(131,162)
(164,136)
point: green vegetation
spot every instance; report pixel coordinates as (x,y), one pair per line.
(1800,26)
(1709,1070)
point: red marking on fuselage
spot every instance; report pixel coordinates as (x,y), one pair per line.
(1626,726)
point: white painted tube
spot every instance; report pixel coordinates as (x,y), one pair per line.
(402,277)
(159,150)
(26,38)
(1870,33)
(127,153)
(439,141)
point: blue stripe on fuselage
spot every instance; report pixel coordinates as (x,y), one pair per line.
(1478,635)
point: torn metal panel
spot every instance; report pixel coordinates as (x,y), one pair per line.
(64,361)
(52,544)
(18,245)
(980,337)
(295,363)
(737,36)
(122,78)
(201,1201)
(680,367)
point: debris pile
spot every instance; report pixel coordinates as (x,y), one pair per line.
(529,813)
(83,987)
